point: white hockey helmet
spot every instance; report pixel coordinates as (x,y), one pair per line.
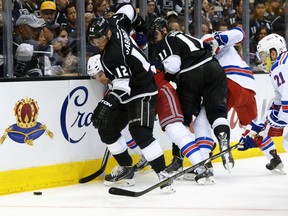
(266,45)
(94,65)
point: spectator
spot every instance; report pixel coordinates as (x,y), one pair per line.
(205,28)
(273,8)
(171,15)
(206,13)
(27,63)
(53,63)
(60,16)
(151,13)
(71,14)
(237,16)
(258,20)
(228,8)
(223,26)
(48,11)
(66,51)
(168,5)
(216,13)
(175,25)
(254,58)
(89,7)
(100,8)
(25,7)
(275,13)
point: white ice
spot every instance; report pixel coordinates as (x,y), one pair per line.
(249,190)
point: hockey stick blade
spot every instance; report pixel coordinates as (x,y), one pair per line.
(98,172)
(123,192)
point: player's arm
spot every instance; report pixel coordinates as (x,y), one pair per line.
(169,56)
(137,21)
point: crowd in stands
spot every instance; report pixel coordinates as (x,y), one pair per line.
(49,28)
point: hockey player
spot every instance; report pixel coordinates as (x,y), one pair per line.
(170,117)
(199,80)
(170,114)
(132,99)
(95,71)
(273,53)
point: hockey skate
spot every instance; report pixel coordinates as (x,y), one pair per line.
(141,164)
(202,175)
(275,166)
(227,159)
(167,188)
(120,175)
(176,165)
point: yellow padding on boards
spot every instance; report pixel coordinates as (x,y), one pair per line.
(66,174)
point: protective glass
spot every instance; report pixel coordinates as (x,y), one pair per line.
(266,62)
(97,41)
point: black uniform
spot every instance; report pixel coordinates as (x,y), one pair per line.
(200,78)
(134,91)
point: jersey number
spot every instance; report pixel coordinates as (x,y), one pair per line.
(122,72)
(279,79)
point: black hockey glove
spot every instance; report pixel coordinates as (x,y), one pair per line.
(100,116)
(139,25)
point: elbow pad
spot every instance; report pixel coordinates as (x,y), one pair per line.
(172,64)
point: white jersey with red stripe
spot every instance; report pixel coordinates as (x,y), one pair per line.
(279,79)
(234,66)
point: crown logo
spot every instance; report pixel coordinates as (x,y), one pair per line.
(26,129)
(26,112)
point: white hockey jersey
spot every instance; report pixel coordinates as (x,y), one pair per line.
(234,66)
(279,79)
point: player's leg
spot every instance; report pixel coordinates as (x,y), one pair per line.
(111,136)
(141,123)
(142,163)
(215,102)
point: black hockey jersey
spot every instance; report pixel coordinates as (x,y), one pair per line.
(125,64)
(190,50)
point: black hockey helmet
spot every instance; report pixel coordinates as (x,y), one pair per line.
(157,25)
(97,28)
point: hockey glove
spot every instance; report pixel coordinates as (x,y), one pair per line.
(139,25)
(141,40)
(216,43)
(273,126)
(250,138)
(100,116)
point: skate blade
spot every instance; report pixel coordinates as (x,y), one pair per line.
(207,181)
(189,176)
(123,183)
(279,170)
(226,163)
(168,189)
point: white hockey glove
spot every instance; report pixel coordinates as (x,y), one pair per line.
(216,42)
(273,126)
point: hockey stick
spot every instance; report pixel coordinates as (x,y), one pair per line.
(98,172)
(123,192)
